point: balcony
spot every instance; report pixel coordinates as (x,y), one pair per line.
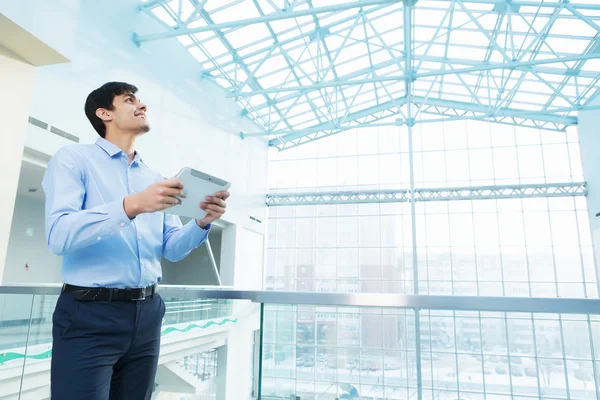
(222,343)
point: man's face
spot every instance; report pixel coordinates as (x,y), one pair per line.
(129,114)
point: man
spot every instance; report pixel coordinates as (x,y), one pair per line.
(103,216)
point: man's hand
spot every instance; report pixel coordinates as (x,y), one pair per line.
(215,207)
(157,197)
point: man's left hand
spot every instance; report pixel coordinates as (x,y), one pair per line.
(215,207)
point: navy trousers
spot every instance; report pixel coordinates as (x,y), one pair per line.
(105,350)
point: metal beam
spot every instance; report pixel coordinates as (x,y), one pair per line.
(337,124)
(481,67)
(486,112)
(572,189)
(277,16)
(532,3)
(501,112)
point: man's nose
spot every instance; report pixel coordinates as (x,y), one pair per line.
(142,107)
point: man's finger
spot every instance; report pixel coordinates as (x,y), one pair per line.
(212,207)
(171,200)
(214,214)
(216,200)
(223,195)
(172,192)
(173,183)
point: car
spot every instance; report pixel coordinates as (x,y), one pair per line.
(500,370)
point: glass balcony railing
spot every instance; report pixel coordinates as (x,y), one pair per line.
(221,343)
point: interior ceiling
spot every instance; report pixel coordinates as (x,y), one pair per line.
(306,69)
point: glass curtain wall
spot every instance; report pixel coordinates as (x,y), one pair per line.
(504,247)
(496,247)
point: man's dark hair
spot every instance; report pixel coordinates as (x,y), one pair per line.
(103,98)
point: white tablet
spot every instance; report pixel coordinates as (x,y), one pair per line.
(196,185)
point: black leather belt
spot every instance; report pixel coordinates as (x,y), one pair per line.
(109,294)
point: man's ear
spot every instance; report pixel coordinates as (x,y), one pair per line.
(103,114)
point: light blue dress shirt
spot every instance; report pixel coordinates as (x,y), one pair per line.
(86,224)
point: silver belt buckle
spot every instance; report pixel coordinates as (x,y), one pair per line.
(143,295)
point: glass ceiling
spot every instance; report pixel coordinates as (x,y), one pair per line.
(306,69)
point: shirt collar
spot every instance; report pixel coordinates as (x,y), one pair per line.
(111,149)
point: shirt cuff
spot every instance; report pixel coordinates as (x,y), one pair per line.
(116,213)
(192,228)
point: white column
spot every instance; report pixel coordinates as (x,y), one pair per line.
(221,380)
(238,368)
(589,140)
(16,85)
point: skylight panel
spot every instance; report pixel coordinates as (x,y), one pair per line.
(326,3)
(185,40)
(207,65)
(300,121)
(392,69)
(214,47)
(224,83)
(430,17)
(536,87)
(560,102)
(351,52)
(300,109)
(334,18)
(436,50)
(466,53)
(472,38)
(520,24)
(387,21)
(187,8)
(164,16)
(524,106)
(286,29)
(563,26)
(198,54)
(380,57)
(248,34)
(427,34)
(570,91)
(261,48)
(273,63)
(277,79)
(202,37)
(334,42)
(211,6)
(567,46)
(488,20)
(532,98)
(257,100)
(240,11)
(460,19)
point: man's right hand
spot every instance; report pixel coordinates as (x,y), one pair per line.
(157,197)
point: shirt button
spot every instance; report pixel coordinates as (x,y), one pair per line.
(99,238)
(139,237)
(122,224)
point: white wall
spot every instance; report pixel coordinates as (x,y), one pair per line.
(14,104)
(194,124)
(44,267)
(250,249)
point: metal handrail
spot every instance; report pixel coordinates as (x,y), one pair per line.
(548,305)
